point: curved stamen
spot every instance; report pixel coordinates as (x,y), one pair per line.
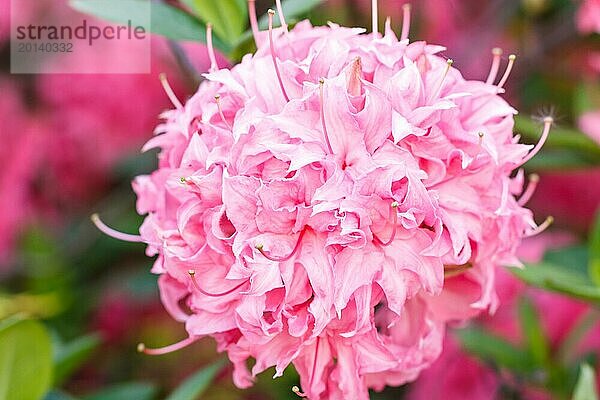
(169,91)
(455,270)
(296,390)
(496,53)
(253,21)
(192,274)
(273,56)
(218,101)
(141,348)
(541,227)
(438,90)
(509,67)
(323,125)
(548,121)
(114,233)
(211,50)
(284,25)
(393,206)
(374,16)
(259,247)
(530,190)
(405,21)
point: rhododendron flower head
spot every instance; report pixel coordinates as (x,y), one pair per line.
(332,202)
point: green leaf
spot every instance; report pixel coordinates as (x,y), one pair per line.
(165,20)
(292,9)
(594,251)
(495,350)
(585,389)
(197,384)
(534,335)
(25,360)
(58,395)
(228,17)
(69,357)
(130,390)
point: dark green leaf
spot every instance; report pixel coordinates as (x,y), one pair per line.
(534,335)
(197,384)
(25,360)
(585,389)
(228,17)
(58,395)
(594,251)
(495,350)
(69,357)
(130,390)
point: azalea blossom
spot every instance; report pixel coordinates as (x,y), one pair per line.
(332,202)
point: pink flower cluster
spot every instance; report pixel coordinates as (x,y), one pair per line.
(333,201)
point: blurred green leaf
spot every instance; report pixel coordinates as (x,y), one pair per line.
(68,357)
(130,390)
(495,350)
(228,17)
(165,20)
(594,251)
(585,389)
(534,334)
(25,360)
(58,395)
(197,384)
(292,10)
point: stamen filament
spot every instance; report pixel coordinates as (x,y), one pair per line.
(271,13)
(296,390)
(192,274)
(547,125)
(530,190)
(169,91)
(438,91)
(376,239)
(259,247)
(284,25)
(211,50)
(253,21)
(497,54)
(405,21)
(141,348)
(541,227)
(329,148)
(114,233)
(374,16)
(509,67)
(218,101)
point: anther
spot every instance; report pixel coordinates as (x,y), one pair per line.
(548,121)
(297,391)
(321,100)
(114,233)
(211,50)
(541,227)
(394,212)
(530,190)
(261,250)
(271,13)
(192,274)
(509,67)
(141,347)
(405,21)
(253,21)
(169,91)
(496,55)
(218,101)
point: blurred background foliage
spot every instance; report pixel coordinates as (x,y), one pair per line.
(74,303)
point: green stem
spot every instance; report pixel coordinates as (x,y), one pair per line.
(567,350)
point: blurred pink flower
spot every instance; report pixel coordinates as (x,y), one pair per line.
(589,123)
(588,16)
(281,207)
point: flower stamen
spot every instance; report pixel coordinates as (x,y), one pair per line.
(169,91)
(541,227)
(324,126)
(273,55)
(374,16)
(192,274)
(376,239)
(438,91)
(530,190)
(548,121)
(260,248)
(126,237)
(284,25)
(211,51)
(218,101)
(141,348)
(497,54)
(509,67)
(253,21)
(405,21)
(297,391)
